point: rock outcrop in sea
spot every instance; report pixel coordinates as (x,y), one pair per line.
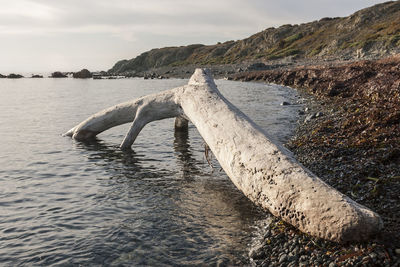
(83,74)
(15,76)
(58,74)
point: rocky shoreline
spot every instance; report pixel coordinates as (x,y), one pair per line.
(350,137)
(229,71)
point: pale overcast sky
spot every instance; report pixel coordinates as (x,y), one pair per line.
(49,35)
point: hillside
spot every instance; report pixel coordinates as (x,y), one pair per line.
(368,33)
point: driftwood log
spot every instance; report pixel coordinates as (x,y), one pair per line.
(266,172)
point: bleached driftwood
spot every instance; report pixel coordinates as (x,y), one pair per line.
(266,172)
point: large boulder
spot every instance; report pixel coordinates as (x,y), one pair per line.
(83,74)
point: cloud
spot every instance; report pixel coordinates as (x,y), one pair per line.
(175,16)
(27,9)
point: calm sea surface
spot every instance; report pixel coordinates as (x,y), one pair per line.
(64,202)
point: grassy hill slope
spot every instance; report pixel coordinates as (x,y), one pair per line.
(370,32)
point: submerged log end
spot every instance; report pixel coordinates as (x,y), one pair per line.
(84,135)
(79,134)
(181,124)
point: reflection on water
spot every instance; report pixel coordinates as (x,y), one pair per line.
(188,165)
(89,203)
(112,157)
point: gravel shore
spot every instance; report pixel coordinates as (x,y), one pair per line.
(349,136)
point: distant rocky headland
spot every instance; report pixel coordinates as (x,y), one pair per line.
(82,74)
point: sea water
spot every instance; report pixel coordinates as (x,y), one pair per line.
(64,202)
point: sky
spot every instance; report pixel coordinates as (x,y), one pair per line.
(49,35)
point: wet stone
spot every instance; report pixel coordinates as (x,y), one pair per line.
(283,258)
(257,252)
(319,114)
(373,255)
